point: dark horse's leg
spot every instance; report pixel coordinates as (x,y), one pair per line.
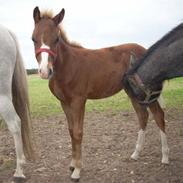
(142,115)
(74,111)
(160,121)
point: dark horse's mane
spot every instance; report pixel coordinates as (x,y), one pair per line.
(47,14)
(167,39)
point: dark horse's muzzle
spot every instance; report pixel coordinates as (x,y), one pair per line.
(143,94)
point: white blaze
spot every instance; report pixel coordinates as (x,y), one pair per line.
(43,66)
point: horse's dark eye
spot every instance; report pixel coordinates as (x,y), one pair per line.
(56,40)
(33,39)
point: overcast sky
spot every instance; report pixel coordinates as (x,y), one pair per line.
(95,23)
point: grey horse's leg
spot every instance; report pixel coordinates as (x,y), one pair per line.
(13,122)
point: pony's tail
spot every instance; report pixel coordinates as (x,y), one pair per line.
(21,102)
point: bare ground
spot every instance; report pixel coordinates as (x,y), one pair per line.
(109,139)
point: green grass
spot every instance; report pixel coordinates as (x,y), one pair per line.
(43,103)
(173,93)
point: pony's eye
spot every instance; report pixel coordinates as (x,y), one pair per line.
(56,40)
(33,39)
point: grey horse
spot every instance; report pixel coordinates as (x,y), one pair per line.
(14,101)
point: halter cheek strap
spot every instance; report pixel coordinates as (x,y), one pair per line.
(50,52)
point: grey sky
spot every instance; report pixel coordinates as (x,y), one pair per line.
(96,23)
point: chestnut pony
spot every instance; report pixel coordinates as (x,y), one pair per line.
(76,74)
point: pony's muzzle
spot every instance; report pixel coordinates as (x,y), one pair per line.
(45,74)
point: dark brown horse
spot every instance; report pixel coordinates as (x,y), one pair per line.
(163,61)
(77,74)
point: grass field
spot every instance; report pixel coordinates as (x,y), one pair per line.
(43,103)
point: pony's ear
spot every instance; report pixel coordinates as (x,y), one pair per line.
(133,59)
(58,18)
(36,15)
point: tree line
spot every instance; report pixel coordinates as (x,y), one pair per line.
(31,71)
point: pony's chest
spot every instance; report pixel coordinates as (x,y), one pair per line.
(56,90)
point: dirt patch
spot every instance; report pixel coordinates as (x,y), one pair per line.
(109,139)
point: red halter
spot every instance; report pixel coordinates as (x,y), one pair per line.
(50,52)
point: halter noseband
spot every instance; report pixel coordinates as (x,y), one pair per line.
(50,52)
(147,91)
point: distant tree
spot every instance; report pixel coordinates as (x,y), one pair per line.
(32,71)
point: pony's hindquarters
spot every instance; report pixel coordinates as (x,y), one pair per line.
(21,102)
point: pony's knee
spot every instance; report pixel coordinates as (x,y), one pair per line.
(77,136)
(14,125)
(71,132)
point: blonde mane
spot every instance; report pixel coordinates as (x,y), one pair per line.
(48,14)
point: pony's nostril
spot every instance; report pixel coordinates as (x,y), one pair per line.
(50,72)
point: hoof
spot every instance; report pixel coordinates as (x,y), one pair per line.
(75,175)
(71,168)
(19,180)
(134,157)
(165,162)
(75,180)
